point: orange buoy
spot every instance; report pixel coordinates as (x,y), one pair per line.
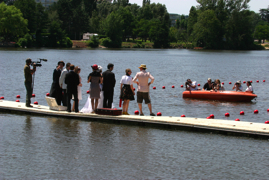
(242,113)
(212,116)
(244,82)
(33,95)
(36,102)
(230,82)
(136,112)
(17,100)
(251,81)
(18,96)
(266,122)
(199,84)
(88,92)
(183,115)
(154,87)
(208,117)
(267,109)
(134,89)
(159,114)
(2,97)
(256,111)
(163,87)
(257,81)
(48,94)
(222,83)
(182,86)
(237,119)
(173,86)
(227,114)
(263,80)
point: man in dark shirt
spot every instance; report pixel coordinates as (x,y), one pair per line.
(109,82)
(72,81)
(28,72)
(208,86)
(56,90)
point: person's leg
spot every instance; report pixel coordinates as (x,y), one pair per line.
(75,93)
(127,105)
(73,107)
(96,104)
(105,99)
(139,97)
(124,106)
(69,96)
(28,87)
(140,108)
(150,108)
(64,97)
(92,102)
(110,99)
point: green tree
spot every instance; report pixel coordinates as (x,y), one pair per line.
(142,29)
(128,22)
(173,34)
(193,16)
(264,13)
(159,34)
(113,29)
(206,30)
(28,9)
(42,21)
(262,32)
(56,35)
(12,23)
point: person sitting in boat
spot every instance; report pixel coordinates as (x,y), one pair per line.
(208,86)
(237,86)
(191,85)
(249,87)
(218,86)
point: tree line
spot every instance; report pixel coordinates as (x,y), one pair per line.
(213,24)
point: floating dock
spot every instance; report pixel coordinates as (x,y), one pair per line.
(216,126)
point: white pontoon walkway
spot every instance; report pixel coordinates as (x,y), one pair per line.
(218,126)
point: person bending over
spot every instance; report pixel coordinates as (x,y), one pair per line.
(191,85)
(208,86)
(237,86)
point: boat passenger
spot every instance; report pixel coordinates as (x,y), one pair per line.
(208,85)
(237,86)
(191,85)
(218,85)
(249,87)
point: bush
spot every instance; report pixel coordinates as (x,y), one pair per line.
(93,43)
(26,41)
(106,42)
(66,42)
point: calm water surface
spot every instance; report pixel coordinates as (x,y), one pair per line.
(43,147)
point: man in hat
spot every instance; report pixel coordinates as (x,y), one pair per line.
(237,86)
(62,83)
(56,90)
(143,88)
(28,72)
(208,86)
(109,82)
(72,81)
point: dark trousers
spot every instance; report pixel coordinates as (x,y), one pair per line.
(29,90)
(64,99)
(108,98)
(71,92)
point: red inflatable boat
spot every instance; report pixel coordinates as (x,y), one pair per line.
(231,96)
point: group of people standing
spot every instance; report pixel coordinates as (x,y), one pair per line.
(67,85)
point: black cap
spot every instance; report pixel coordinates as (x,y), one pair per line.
(28,60)
(61,62)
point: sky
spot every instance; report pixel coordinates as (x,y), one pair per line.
(184,6)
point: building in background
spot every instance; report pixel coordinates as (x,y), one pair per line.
(46,3)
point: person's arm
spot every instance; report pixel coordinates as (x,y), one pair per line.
(134,80)
(80,81)
(121,86)
(114,79)
(32,71)
(204,87)
(234,86)
(89,80)
(152,79)
(100,80)
(132,88)
(62,77)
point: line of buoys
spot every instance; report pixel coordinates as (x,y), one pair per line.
(48,94)
(136,112)
(159,114)
(242,113)
(17,100)
(33,95)
(18,96)
(36,103)
(2,97)
(237,119)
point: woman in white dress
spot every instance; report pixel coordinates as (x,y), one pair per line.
(88,107)
(77,70)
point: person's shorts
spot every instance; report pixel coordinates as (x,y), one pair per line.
(143,96)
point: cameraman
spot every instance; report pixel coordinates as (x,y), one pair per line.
(28,72)
(237,86)
(191,86)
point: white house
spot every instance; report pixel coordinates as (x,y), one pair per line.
(88,36)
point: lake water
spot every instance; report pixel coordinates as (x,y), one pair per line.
(35,147)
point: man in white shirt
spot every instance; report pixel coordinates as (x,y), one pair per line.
(191,85)
(62,83)
(143,88)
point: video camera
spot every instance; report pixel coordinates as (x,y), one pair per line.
(38,63)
